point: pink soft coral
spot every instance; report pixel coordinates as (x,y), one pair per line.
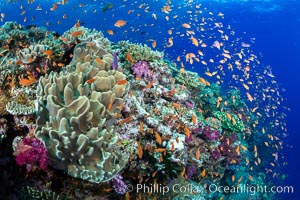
(31,152)
(141,68)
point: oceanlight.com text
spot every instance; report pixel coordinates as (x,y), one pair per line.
(212,188)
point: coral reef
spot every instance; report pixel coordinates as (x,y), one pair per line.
(96,116)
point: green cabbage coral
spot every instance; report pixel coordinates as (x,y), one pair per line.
(230,121)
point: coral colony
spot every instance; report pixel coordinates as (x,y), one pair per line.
(106,115)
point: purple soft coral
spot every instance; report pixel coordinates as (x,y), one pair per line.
(211,134)
(118,184)
(198,130)
(191,171)
(141,68)
(31,152)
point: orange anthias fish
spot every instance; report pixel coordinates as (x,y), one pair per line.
(110,32)
(129,57)
(186,25)
(120,23)
(140,150)
(154,44)
(91,80)
(194,119)
(158,138)
(128,119)
(77,25)
(198,153)
(49,53)
(150,85)
(27,82)
(121,82)
(76,33)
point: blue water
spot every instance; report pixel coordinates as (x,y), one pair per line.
(276,27)
(274,23)
(277,36)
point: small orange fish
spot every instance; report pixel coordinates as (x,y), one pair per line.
(154,44)
(182,70)
(91,80)
(186,25)
(19,62)
(108,189)
(121,82)
(202,80)
(120,23)
(77,25)
(26,82)
(110,105)
(141,129)
(49,52)
(54,7)
(244,148)
(140,150)
(198,153)
(128,119)
(129,57)
(110,32)
(160,150)
(154,174)
(150,84)
(30,60)
(183,172)
(127,196)
(98,60)
(250,178)
(194,119)
(90,44)
(250,98)
(61,64)
(194,41)
(187,131)
(176,105)
(158,138)
(76,33)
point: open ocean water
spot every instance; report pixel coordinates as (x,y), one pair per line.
(195,134)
